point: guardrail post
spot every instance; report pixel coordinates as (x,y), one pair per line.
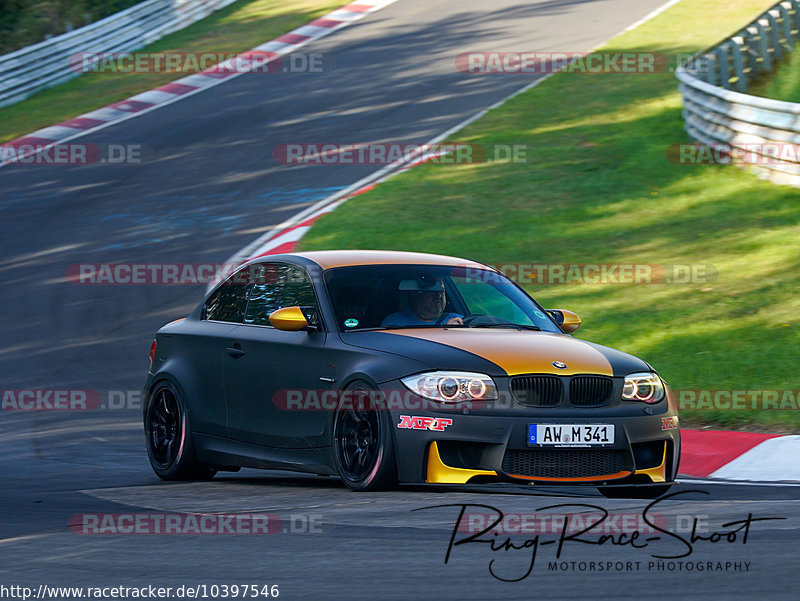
(786,29)
(795,12)
(774,36)
(738,64)
(703,67)
(721,53)
(712,70)
(763,47)
(750,50)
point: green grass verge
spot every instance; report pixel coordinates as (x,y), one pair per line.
(598,188)
(783,83)
(236,28)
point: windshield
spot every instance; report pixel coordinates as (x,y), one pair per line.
(413,296)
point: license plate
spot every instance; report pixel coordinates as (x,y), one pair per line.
(570,435)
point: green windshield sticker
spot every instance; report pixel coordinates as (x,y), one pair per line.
(350,323)
(538,314)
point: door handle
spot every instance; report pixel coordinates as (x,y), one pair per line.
(234,351)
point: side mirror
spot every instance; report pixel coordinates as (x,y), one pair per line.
(290,319)
(567,320)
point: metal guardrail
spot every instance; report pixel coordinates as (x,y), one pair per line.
(47,63)
(718,111)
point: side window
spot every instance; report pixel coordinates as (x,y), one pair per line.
(277,285)
(229,301)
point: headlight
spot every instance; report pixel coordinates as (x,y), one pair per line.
(645,387)
(452,386)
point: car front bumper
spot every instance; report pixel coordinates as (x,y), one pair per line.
(453,446)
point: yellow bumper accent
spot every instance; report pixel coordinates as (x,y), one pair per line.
(658,473)
(439,473)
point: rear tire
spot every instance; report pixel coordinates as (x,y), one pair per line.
(169,438)
(363,448)
(634,492)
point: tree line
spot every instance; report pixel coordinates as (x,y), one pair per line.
(26,22)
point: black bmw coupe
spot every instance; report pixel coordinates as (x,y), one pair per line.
(388,368)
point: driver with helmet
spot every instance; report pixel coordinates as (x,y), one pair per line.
(426,301)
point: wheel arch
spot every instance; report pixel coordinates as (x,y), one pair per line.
(166,372)
(349,380)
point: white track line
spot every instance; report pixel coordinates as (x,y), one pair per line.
(736,483)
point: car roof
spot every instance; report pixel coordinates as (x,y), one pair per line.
(328,259)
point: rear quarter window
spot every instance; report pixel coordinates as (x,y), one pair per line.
(229,301)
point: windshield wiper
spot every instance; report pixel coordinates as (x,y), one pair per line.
(415,327)
(521,326)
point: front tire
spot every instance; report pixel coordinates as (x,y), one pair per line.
(169,437)
(363,448)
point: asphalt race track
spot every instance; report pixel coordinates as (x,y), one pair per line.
(335,544)
(208,187)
